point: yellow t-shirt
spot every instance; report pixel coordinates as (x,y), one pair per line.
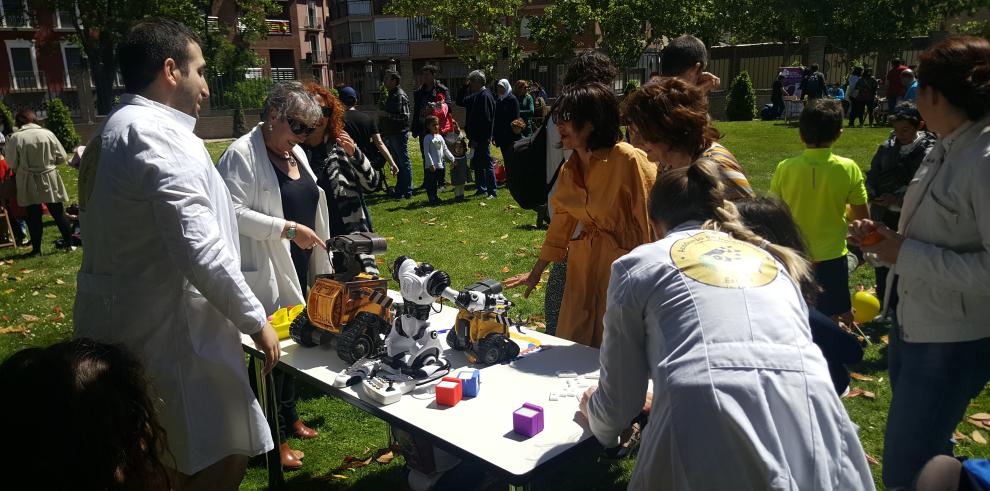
(817,185)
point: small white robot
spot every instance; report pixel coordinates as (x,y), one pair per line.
(413,351)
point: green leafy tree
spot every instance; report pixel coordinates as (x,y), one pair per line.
(101,25)
(561,25)
(59,122)
(6,118)
(741,101)
(250,93)
(239,125)
(495,27)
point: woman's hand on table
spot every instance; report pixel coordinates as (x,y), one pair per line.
(585,399)
(306,238)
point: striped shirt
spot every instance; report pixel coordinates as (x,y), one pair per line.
(736,184)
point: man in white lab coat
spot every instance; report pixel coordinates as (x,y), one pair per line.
(161,269)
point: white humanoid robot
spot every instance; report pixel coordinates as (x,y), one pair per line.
(413,352)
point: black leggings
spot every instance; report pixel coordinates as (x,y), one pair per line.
(36,229)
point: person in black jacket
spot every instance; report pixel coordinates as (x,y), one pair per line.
(393,123)
(424,95)
(891,171)
(506,111)
(480,105)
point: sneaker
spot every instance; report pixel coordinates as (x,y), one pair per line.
(491,196)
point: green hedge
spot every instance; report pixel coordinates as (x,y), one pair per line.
(741,102)
(59,121)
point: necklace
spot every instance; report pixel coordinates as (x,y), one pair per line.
(285,157)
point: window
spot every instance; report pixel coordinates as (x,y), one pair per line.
(312,18)
(396,29)
(14,13)
(72,58)
(420,29)
(524,27)
(66,19)
(23,64)
(362,32)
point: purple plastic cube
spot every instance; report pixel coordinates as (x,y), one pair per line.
(528,420)
(471,382)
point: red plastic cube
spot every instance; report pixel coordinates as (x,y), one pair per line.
(449,391)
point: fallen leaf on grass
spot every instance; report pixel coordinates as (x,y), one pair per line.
(978,437)
(385,458)
(49,295)
(13,330)
(34,293)
(506,236)
(59,281)
(56,309)
(854,393)
(869,395)
(29,317)
(8,291)
(25,271)
(5,318)
(505,269)
(483,203)
(60,316)
(980,416)
(871,459)
(977,423)
(958,436)
(860,377)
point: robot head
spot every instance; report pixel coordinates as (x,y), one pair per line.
(424,269)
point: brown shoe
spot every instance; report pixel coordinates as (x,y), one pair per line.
(288,457)
(303,431)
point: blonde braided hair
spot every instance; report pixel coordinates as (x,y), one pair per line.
(729,221)
(696,192)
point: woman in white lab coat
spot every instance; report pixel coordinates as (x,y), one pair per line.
(282,219)
(742,398)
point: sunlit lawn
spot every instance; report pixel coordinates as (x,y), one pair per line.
(470,240)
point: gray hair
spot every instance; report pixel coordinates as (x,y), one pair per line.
(477,76)
(290,99)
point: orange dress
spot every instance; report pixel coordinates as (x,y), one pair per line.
(608,197)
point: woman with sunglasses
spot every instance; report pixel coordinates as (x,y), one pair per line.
(343,172)
(282,216)
(599,208)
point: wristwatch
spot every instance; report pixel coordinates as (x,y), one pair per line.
(291,233)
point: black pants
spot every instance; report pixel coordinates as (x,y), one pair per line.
(36,229)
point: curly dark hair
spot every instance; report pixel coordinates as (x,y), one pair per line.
(588,67)
(959,68)
(673,112)
(335,123)
(594,104)
(98,423)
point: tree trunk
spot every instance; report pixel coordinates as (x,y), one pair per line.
(106,73)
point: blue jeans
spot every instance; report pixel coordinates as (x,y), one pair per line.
(484,171)
(398,146)
(932,384)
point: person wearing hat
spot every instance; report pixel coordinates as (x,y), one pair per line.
(364,131)
(892,169)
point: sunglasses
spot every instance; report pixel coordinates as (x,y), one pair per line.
(299,128)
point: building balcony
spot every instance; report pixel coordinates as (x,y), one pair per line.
(283,74)
(15,18)
(313,25)
(28,81)
(278,27)
(339,10)
(318,58)
(371,50)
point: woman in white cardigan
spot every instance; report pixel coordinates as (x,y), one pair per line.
(282,219)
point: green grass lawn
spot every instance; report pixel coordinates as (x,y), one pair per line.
(470,240)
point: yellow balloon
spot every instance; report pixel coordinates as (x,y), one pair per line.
(866,306)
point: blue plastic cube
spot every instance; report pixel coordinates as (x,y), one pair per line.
(470,382)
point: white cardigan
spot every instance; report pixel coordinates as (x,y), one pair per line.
(265,258)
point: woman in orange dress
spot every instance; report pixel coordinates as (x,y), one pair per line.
(599,208)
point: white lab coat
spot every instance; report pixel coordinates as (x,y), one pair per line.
(161,274)
(742,398)
(265,258)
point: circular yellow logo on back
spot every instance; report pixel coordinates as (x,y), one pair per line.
(719,260)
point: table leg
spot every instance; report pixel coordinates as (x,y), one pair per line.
(269,404)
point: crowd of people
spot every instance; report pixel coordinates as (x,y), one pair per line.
(734,306)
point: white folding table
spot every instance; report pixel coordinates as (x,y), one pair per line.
(504,388)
